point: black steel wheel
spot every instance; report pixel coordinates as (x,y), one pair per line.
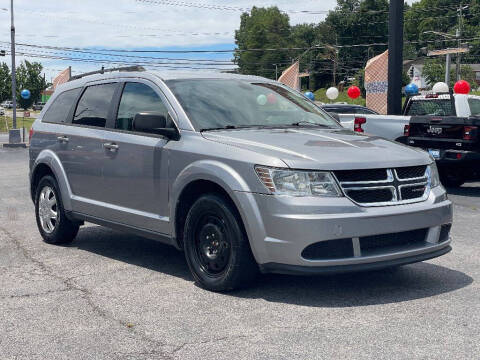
(216,247)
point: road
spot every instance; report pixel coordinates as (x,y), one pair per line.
(111,295)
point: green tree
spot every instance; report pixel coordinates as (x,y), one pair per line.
(29,76)
(355,22)
(262,28)
(434,71)
(5,82)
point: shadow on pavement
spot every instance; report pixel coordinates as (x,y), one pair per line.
(466,190)
(133,250)
(395,285)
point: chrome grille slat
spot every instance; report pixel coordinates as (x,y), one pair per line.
(397,180)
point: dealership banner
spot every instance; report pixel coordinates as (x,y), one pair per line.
(376,83)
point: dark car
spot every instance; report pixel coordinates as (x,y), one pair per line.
(347,109)
(38,106)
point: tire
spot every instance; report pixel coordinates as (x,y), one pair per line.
(452,181)
(59,229)
(216,246)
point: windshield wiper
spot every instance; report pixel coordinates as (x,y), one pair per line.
(300,123)
(219,128)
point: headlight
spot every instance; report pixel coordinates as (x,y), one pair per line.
(298,183)
(433,177)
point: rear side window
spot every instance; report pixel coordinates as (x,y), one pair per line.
(61,106)
(94,105)
(474,106)
(437,107)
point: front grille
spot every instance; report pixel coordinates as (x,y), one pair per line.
(393,241)
(361,175)
(370,245)
(413,191)
(366,196)
(411,172)
(330,249)
(445,232)
(379,187)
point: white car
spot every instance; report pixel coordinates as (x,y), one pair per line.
(392,126)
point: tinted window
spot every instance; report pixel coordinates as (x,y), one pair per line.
(438,107)
(137,98)
(474,106)
(94,105)
(362,110)
(58,111)
(223,103)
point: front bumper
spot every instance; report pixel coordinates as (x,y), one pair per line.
(281,228)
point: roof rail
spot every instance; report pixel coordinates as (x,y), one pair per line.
(103,70)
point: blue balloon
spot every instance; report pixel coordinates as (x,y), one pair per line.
(310,95)
(25,94)
(411,89)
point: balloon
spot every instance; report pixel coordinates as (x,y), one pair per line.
(332,93)
(310,95)
(272,98)
(440,87)
(25,94)
(411,89)
(353,92)
(261,99)
(461,87)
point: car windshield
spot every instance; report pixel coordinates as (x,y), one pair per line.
(438,107)
(228,103)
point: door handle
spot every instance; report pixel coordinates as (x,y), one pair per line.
(111,146)
(63,139)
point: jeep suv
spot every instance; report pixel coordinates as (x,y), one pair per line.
(242,173)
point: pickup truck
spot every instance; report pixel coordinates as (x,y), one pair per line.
(392,126)
(448,128)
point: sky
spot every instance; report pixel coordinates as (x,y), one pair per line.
(135,25)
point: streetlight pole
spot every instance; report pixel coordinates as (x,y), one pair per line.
(14,80)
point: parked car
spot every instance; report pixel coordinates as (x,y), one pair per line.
(2,111)
(347,109)
(38,106)
(7,104)
(448,128)
(392,126)
(241,173)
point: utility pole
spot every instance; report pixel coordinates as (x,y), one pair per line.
(276,72)
(395,57)
(447,70)
(459,34)
(14,80)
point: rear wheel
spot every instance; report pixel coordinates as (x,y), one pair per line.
(216,247)
(52,222)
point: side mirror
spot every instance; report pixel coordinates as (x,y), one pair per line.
(154,123)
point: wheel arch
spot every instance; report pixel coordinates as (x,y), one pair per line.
(202,178)
(48,163)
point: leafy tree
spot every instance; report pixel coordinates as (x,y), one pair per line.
(262,28)
(434,71)
(29,76)
(5,82)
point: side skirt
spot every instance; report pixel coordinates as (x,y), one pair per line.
(163,238)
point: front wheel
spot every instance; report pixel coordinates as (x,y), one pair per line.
(216,247)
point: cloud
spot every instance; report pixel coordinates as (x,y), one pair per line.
(128,24)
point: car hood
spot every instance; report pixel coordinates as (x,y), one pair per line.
(322,149)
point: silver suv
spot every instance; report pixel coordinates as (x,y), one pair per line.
(241,173)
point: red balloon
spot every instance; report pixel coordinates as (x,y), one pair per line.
(461,87)
(272,98)
(353,92)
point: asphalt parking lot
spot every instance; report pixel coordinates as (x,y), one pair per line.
(110,295)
